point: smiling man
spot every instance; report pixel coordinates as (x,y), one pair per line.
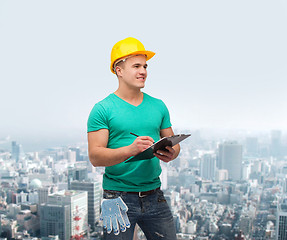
(132,192)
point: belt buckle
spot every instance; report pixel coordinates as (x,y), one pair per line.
(141,196)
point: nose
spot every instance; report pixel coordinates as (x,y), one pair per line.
(143,70)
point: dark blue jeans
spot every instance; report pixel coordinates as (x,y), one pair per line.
(151,213)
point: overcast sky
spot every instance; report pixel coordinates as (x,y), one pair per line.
(218,63)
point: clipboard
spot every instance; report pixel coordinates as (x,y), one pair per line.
(159,145)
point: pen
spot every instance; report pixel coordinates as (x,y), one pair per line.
(134,134)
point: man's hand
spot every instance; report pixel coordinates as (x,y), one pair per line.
(114,212)
(167,155)
(140,144)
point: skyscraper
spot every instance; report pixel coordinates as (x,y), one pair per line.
(230,158)
(94,199)
(207,166)
(252,148)
(71,156)
(77,173)
(44,192)
(78,202)
(15,151)
(55,220)
(281,221)
(275,145)
(65,214)
(219,156)
(78,153)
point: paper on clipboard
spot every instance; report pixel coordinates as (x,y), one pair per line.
(159,145)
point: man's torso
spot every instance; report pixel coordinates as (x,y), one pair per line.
(121,118)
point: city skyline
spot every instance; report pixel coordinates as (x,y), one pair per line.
(202,186)
(218,65)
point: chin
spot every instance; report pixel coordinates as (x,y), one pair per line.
(140,85)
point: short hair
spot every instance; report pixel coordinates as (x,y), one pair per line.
(119,64)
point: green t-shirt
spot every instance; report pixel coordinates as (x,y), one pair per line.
(121,118)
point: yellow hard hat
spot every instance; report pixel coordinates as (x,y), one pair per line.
(126,47)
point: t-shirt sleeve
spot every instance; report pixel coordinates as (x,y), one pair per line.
(97,119)
(166,118)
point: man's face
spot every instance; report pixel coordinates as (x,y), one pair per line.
(133,72)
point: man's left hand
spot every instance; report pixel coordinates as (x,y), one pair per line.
(167,155)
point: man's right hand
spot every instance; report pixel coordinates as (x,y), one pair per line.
(140,144)
(102,156)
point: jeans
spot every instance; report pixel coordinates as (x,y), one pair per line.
(151,213)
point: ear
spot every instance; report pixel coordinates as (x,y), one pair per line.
(118,71)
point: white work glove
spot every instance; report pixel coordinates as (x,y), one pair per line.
(114,212)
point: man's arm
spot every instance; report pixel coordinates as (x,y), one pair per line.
(171,152)
(100,155)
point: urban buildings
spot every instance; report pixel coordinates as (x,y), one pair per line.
(230,158)
(94,199)
(217,189)
(276,147)
(16,148)
(207,166)
(55,220)
(281,221)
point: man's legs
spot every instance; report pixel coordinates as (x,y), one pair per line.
(156,220)
(152,214)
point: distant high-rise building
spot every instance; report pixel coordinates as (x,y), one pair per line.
(94,199)
(15,151)
(230,158)
(78,153)
(207,166)
(77,174)
(246,170)
(78,202)
(71,156)
(44,192)
(281,221)
(245,224)
(252,148)
(257,166)
(219,157)
(55,220)
(275,145)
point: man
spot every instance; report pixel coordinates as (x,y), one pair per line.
(131,186)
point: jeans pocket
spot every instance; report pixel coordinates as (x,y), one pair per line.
(160,196)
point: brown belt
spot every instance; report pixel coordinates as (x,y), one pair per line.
(141,194)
